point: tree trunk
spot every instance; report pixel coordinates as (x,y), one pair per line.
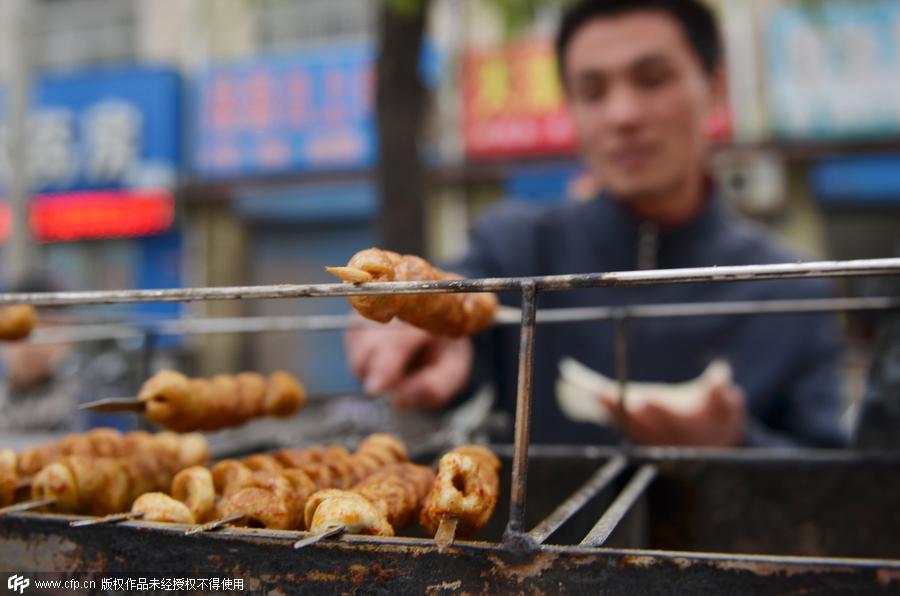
(401,104)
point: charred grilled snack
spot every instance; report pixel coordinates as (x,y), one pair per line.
(17,321)
(355,513)
(8,477)
(278,491)
(466,490)
(454,315)
(186,450)
(380,505)
(397,491)
(105,485)
(268,502)
(180,403)
(230,476)
(195,488)
(160,507)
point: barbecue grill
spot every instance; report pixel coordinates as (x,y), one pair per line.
(617,520)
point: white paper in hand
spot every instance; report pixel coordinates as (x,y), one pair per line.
(584,395)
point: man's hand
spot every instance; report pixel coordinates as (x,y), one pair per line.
(715,416)
(419,369)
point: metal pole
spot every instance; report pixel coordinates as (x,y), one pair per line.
(21,252)
(515,531)
(621,351)
(549,283)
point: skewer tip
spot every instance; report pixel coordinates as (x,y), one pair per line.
(214,525)
(350,274)
(107,519)
(446,533)
(115,404)
(328,532)
(27,506)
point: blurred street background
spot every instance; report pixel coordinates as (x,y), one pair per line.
(165,143)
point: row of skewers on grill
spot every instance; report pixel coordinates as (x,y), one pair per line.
(324,490)
(177,402)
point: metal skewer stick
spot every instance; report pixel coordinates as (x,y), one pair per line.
(215,524)
(446,533)
(27,506)
(107,519)
(329,532)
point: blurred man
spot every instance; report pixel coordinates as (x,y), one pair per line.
(642,78)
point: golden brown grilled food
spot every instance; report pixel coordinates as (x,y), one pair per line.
(17,321)
(187,450)
(180,403)
(195,488)
(381,504)
(465,489)
(284,395)
(277,492)
(101,485)
(454,315)
(160,507)
(355,513)
(268,502)
(230,476)
(8,477)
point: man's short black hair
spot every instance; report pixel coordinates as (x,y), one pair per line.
(695,18)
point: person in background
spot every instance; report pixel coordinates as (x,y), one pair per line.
(641,78)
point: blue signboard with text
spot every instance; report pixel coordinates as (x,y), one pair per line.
(310,110)
(104,128)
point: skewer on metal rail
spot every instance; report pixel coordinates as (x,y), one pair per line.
(329,532)
(113,518)
(864,267)
(215,524)
(27,506)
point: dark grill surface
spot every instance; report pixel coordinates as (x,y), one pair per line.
(745,522)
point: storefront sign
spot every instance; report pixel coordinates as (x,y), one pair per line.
(512,102)
(107,128)
(834,69)
(288,113)
(84,215)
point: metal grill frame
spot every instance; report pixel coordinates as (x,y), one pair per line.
(516,539)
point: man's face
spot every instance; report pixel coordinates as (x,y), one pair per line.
(639,99)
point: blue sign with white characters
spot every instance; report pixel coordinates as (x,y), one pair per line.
(272,114)
(833,69)
(104,128)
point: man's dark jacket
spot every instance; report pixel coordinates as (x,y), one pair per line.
(786,364)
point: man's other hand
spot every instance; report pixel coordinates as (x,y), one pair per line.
(714,416)
(419,369)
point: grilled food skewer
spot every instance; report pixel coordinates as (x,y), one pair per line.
(272,490)
(183,404)
(17,321)
(380,505)
(464,494)
(454,315)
